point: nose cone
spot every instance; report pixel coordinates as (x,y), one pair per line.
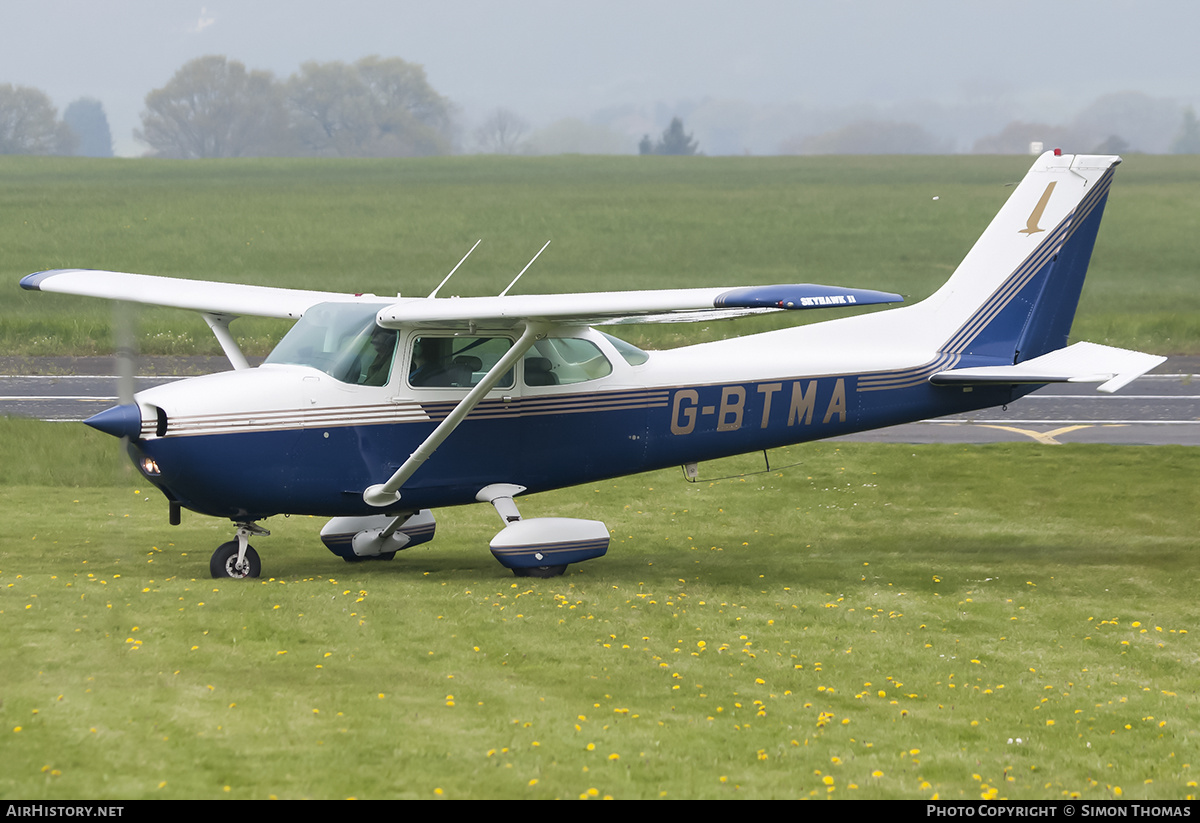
(119,421)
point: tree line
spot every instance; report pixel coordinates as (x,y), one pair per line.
(29,124)
(376,107)
(215,107)
(385,107)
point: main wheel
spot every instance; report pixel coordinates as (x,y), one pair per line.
(224,562)
(543,572)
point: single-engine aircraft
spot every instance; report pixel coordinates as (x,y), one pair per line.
(375,410)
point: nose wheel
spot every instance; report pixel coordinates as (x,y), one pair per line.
(225,562)
(237,559)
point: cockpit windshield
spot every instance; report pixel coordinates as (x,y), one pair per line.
(342,340)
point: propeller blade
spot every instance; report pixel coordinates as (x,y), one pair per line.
(123,340)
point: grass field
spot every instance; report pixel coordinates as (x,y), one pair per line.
(615,223)
(882,621)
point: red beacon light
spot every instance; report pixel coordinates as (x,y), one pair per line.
(1058,152)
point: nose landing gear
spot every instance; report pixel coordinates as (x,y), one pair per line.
(237,558)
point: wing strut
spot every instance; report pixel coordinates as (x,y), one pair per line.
(219,323)
(386,494)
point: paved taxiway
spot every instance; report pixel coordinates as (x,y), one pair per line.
(1157,409)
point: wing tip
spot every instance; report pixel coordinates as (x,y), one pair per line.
(792,296)
(33,282)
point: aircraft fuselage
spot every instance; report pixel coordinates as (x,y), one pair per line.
(292,439)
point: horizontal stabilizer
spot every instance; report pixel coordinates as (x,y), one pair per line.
(1080,363)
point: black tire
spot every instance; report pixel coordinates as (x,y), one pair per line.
(544,572)
(224,560)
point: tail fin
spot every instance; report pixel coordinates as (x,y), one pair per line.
(1014,295)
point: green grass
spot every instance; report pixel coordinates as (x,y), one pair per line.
(616,223)
(885,616)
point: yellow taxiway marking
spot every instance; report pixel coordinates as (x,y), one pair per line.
(1048,438)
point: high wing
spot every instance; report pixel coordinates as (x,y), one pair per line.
(227,299)
(601,308)
(664,305)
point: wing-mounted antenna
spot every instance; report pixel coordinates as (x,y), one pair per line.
(453,270)
(527,265)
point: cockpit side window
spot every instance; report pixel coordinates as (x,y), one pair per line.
(368,360)
(456,362)
(342,340)
(561,361)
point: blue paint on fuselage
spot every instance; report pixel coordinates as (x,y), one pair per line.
(324,470)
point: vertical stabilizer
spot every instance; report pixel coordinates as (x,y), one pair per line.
(1014,295)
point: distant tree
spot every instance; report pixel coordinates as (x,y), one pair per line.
(328,109)
(375,108)
(213,107)
(29,123)
(1188,141)
(674,141)
(874,137)
(501,132)
(1145,122)
(87,120)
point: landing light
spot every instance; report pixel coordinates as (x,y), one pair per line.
(149,467)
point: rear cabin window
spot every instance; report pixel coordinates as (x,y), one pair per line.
(561,361)
(632,354)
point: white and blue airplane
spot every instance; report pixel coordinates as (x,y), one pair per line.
(375,410)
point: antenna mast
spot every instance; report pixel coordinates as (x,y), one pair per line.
(453,270)
(527,265)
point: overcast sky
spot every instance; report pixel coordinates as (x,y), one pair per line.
(548,60)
